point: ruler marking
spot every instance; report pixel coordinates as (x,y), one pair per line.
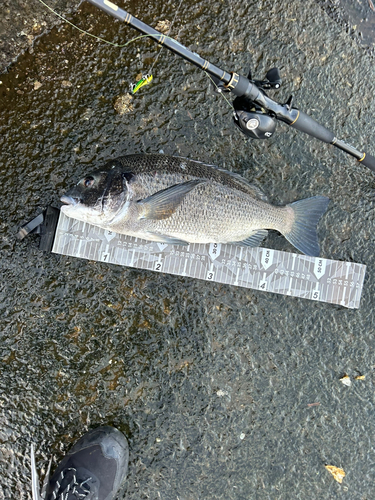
(289,287)
(343,296)
(188,265)
(195,264)
(237,276)
(184,272)
(356,293)
(334,282)
(218,271)
(259,268)
(123,253)
(336,279)
(240,256)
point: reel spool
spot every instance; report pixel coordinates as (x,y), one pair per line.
(252,120)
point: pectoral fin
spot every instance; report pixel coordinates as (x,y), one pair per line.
(163,204)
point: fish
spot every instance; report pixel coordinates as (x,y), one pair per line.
(178,201)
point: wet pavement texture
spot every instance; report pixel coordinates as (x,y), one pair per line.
(357,18)
(24,21)
(211,384)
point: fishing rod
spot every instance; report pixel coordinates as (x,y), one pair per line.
(255,113)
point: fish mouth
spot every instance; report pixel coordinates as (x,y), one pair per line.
(69,200)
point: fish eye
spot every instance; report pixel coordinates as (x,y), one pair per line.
(88,181)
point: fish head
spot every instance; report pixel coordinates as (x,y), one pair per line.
(98,197)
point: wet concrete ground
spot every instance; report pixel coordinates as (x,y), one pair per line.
(24,21)
(357,18)
(211,384)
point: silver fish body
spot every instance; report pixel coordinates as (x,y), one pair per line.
(181,201)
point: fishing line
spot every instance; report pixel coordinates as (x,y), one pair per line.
(148,78)
(98,37)
(170,27)
(219,90)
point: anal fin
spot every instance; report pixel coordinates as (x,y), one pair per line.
(254,240)
(162,238)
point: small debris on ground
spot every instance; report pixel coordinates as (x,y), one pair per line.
(337,473)
(37,85)
(360,377)
(123,104)
(163,26)
(222,393)
(346,380)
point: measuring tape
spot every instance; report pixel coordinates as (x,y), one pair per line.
(264,269)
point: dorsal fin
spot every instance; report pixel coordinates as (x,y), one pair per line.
(244,183)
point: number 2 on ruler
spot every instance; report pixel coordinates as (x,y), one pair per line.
(158,266)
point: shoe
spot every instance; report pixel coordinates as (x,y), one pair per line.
(94,469)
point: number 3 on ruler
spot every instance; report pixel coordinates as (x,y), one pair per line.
(210,275)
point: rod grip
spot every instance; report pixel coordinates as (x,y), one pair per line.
(368,161)
(306,124)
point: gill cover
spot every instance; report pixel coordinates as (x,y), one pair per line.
(100,187)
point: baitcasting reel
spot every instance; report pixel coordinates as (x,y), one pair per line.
(250,118)
(255,124)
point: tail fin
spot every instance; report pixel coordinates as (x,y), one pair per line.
(303,233)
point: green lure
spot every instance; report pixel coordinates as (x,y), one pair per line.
(145,80)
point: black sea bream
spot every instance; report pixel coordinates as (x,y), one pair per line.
(180,201)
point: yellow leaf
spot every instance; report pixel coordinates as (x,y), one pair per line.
(337,473)
(360,377)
